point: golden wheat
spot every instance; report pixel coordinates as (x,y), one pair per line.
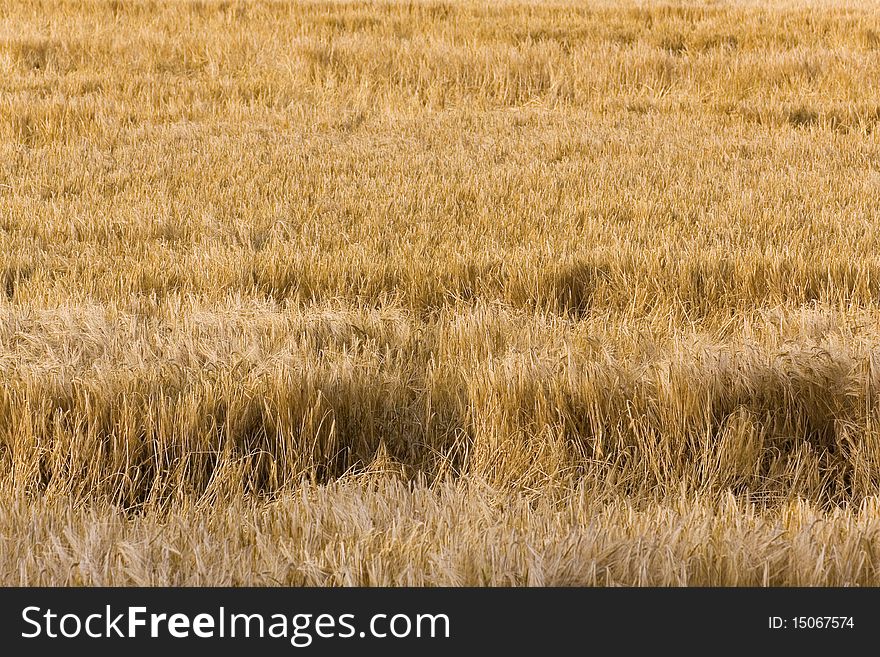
(439,292)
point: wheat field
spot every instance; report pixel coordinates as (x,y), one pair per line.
(439,293)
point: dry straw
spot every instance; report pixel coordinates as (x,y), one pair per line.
(439,293)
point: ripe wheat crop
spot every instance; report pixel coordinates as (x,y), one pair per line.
(439,292)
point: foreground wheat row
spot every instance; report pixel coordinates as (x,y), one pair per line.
(439,292)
